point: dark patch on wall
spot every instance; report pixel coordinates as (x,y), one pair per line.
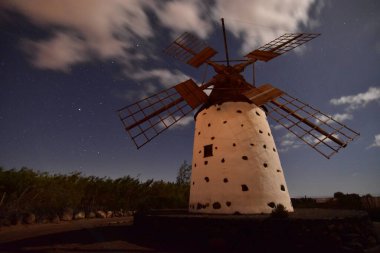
(216,205)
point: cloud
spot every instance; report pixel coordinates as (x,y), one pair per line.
(87,30)
(278,127)
(353,103)
(340,117)
(58,53)
(289,141)
(166,77)
(83,30)
(246,18)
(376,142)
(183,16)
(359,100)
(185,121)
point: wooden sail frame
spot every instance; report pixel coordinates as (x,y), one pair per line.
(147,118)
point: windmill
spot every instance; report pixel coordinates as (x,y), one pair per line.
(236,166)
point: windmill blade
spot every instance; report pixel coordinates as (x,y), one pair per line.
(263,94)
(318,130)
(191,50)
(147,118)
(281,45)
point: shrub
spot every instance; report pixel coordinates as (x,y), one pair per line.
(279,212)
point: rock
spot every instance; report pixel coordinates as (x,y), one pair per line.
(371,241)
(357,246)
(79,215)
(44,220)
(109,214)
(15,219)
(331,227)
(29,218)
(55,219)
(67,214)
(101,214)
(91,215)
(4,222)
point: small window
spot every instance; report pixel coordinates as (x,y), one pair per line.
(207,150)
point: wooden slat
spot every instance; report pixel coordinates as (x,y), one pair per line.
(201,57)
(281,45)
(309,123)
(262,55)
(191,93)
(263,94)
(315,128)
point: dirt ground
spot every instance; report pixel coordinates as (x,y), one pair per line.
(93,235)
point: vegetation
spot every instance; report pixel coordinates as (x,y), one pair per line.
(344,201)
(26,190)
(279,212)
(304,202)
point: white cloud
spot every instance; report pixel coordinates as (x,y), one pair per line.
(288,141)
(376,142)
(291,141)
(185,121)
(84,30)
(180,123)
(58,53)
(182,16)
(166,77)
(278,127)
(246,19)
(359,100)
(340,117)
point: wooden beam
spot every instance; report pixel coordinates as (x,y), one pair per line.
(310,124)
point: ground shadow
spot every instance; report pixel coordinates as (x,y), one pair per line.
(101,238)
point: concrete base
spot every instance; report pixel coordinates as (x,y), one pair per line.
(305,230)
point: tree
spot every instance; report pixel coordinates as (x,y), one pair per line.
(338,195)
(184,174)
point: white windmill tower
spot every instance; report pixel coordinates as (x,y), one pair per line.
(236,166)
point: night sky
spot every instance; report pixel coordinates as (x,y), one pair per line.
(67,66)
